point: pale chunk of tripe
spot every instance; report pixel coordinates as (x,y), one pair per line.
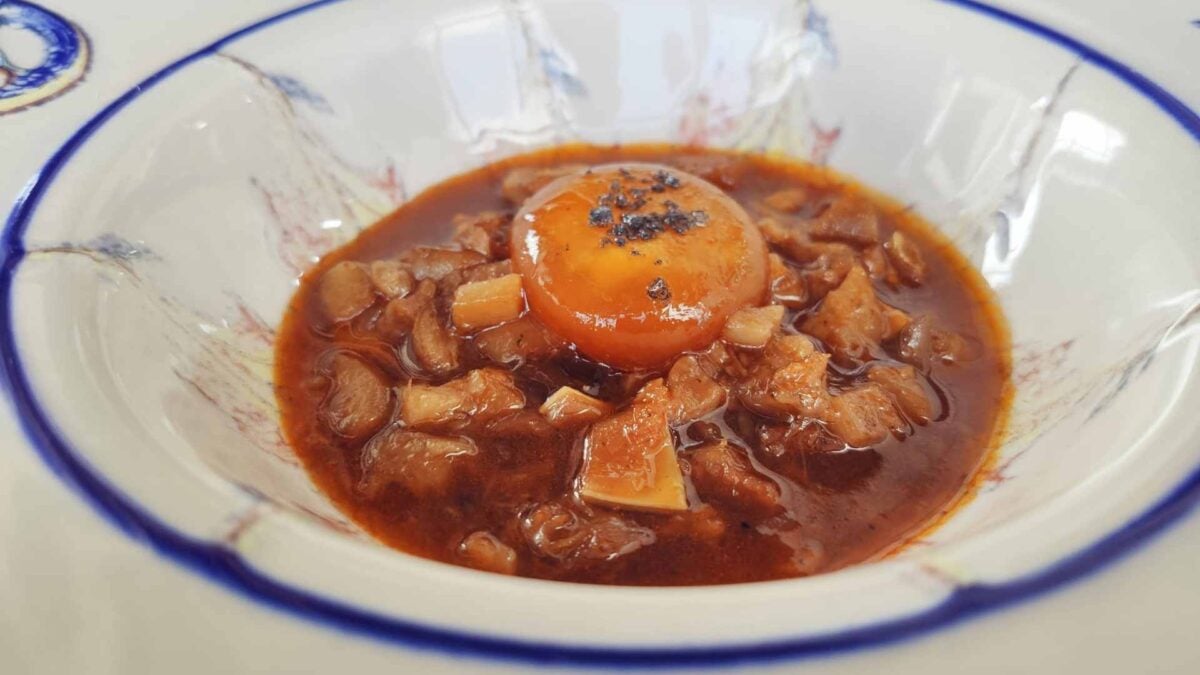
(629,459)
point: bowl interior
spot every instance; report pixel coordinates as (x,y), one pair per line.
(161,256)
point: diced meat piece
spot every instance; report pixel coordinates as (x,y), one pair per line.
(719,361)
(875,261)
(521,183)
(775,232)
(483,551)
(794,440)
(346,290)
(482,304)
(920,343)
(783,350)
(789,380)
(907,258)
(826,264)
(701,523)
(852,320)
(401,313)
(559,531)
(485,232)
(518,341)
(864,416)
(421,463)
(476,398)
(569,408)
(474,238)
(753,326)
(359,401)
(629,458)
(849,218)
(906,389)
(787,286)
(724,172)
(434,263)
(425,406)
(391,278)
(692,394)
(801,386)
(722,473)
(520,424)
(486,271)
(787,200)
(433,345)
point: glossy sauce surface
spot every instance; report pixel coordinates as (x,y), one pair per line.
(768,495)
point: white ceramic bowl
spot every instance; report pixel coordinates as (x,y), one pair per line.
(146,267)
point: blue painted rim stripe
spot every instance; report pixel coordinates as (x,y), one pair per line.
(224,567)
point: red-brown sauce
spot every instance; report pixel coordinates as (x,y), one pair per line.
(783,496)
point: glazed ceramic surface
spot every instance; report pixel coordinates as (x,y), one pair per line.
(149,261)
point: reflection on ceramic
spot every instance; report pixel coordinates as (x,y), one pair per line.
(156,252)
(46,55)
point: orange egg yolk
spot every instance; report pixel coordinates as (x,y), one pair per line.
(637,263)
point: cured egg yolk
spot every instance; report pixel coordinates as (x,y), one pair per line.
(637,263)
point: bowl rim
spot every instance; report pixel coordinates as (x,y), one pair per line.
(227,568)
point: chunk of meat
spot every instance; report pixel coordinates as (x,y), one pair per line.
(569,408)
(787,286)
(800,387)
(828,268)
(875,261)
(483,551)
(391,278)
(401,313)
(906,388)
(720,362)
(921,342)
(486,271)
(346,290)
(629,459)
(787,200)
(482,304)
(850,218)
(852,320)
(864,416)
(521,183)
(907,258)
(789,380)
(474,238)
(426,262)
(703,522)
(794,440)
(753,327)
(485,232)
(692,393)
(520,424)
(826,264)
(432,344)
(724,172)
(476,398)
(423,464)
(359,400)
(562,532)
(518,341)
(722,473)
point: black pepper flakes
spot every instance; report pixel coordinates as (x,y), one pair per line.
(601,216)
(634,225)
(658,290)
